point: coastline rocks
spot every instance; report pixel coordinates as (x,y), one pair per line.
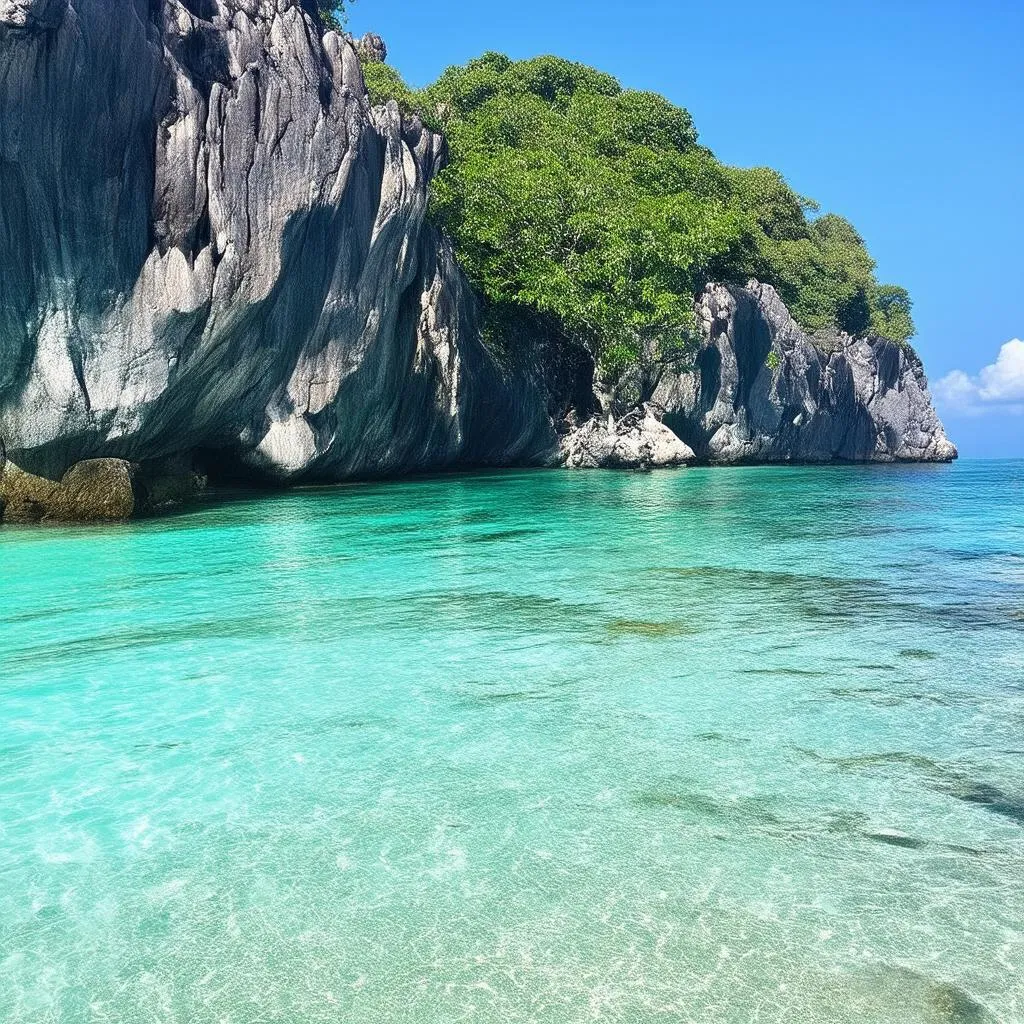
(93,491)
(96,490)
(211,243)
(638,440)
(762,390)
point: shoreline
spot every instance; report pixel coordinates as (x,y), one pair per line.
(36,501)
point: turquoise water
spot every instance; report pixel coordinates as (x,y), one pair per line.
(716,745)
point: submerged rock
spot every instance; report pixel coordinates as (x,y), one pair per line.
(763,390)
(893,837)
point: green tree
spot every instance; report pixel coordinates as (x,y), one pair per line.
(892,316)
(589,216)
(854,313)
(564,200)
(384,83)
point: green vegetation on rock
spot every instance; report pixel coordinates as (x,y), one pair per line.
(591,214)
(333,14)
(384,83)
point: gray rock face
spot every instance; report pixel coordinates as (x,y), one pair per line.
(372,49)
(636,441)
(762,390)
(208,240)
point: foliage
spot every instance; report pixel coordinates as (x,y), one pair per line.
(594,211)
(383,83)
(564,199)
(891,317)
(333,14)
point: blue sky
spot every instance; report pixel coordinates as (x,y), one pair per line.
(905,116)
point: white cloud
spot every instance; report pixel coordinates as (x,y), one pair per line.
(998,387)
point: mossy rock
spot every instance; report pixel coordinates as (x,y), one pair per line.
(98,490)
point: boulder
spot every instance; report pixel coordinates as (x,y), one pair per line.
(98,490)
(638,440)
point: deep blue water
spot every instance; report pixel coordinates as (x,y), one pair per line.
(716,745)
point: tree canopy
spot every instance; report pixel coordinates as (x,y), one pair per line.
(595,210)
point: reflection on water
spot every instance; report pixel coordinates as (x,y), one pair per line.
(717,745)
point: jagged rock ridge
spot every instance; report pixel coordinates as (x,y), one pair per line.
(762,390)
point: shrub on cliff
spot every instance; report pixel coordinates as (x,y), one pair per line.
(595,210)
(384,83)
(332,14)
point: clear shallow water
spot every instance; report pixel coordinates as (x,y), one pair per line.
(718,745)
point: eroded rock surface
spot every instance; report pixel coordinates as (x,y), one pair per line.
(762,390)
(209,240)
(211,243)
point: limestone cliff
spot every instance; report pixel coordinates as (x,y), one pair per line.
(211,243)
(210,240)
(762,390)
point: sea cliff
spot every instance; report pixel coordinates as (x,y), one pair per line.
(215,253)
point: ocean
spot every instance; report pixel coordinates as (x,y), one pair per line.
(717,745)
